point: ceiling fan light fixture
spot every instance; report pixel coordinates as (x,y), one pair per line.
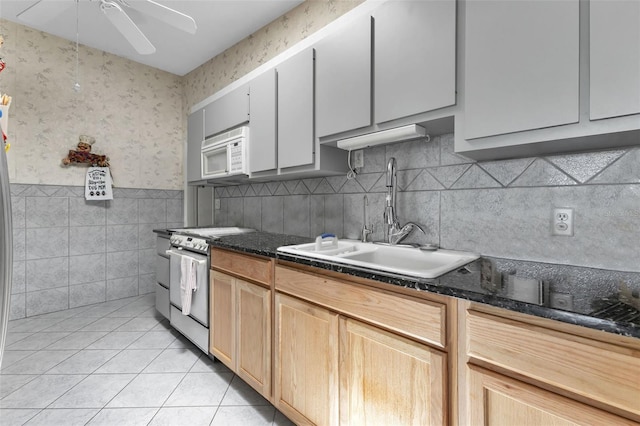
(127,27)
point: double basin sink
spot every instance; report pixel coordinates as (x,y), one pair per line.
(395,259)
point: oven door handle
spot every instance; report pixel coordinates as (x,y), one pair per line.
(181,254)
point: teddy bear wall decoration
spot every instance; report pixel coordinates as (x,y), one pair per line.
(82,154)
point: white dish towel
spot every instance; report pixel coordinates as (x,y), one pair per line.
(188,282)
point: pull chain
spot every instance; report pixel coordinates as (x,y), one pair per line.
(76,86)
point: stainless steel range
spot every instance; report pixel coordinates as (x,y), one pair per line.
(189,309)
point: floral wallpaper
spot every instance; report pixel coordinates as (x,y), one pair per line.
(261,46)
(135,112)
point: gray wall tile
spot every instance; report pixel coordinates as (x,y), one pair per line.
(44,212)
(272,214)
(47,273)
(147,261)
(422,208)
(19,244)
(625,170)
(122,237)
(605,226)
(87,240)
(414,154)
(146,236)
(87,294)
(18,212)
(175,210)
(122,211)
(42,302)
(47,242)
(316,215)
(334,214)
(236,212)
(76,251)
(85,213)
(583,167)
(296,215)
(152,211)
(87,268)
(19,277)
(252,208)
(122,287)
(147,283)
(18,308)
(122,264)
(542,173)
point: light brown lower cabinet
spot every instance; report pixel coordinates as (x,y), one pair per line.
(241,329)
(306,367)
(332,370)
(529,371)
(497,400)
(386,379)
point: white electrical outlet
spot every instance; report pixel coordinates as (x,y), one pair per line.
(562,222)
(358,158)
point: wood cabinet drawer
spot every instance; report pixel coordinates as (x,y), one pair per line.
(593,370)
(419,319)
(241,265)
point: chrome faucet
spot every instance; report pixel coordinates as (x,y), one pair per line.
(395,232)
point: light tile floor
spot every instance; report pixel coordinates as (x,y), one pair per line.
(119,363)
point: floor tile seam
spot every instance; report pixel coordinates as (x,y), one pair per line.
(35,376)
(116,408)
(44,408)
(132,379)
(73,332)
(136,375)
(69,390)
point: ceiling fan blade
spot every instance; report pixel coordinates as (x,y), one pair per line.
(43,11)
(127,27)
(163,13)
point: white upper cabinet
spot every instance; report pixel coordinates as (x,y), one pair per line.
(343,79)
(195,136)
(263,143)
(614,52)
(295,110)
(229,111)
(521,66)
(414,57)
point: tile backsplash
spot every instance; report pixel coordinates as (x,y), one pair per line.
(496,208)
(70,252)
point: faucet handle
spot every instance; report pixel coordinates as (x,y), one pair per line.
(366,232)
(410,225)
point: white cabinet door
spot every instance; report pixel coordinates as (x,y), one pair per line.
(263,149)
(343,79)
(295,110)
(229,111)
(521,66)
(614,53)
(415,57)
(195,136)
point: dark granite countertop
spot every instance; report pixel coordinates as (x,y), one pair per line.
(600,299)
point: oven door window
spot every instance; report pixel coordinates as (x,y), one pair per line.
(214,162)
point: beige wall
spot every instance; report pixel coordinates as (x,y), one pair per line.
(136,113)
(261,46)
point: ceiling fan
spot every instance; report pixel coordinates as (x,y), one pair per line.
(115,11)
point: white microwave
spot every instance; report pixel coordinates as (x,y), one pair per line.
(225,154)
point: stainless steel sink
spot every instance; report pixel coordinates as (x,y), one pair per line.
(400,260)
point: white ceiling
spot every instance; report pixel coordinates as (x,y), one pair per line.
(221,24)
